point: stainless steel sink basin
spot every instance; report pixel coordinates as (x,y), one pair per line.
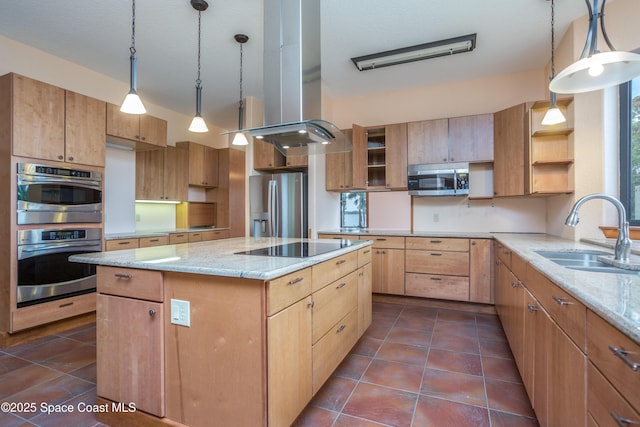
(586,260)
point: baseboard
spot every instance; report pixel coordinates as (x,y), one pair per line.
(434,303)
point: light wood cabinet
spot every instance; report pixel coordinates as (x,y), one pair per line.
(383,155)
(50,123)
(148,242)
(289,358)
(428,141)
(84,129)
(480,271)
(508,151)
(339,172)
(160,174)
(118,244)
(203,164)
(457,139)
(387,264)
(150,132)
(229,195)
(267,158)
(364,297)
(549,152)
(123,322)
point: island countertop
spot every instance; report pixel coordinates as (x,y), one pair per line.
(217,257)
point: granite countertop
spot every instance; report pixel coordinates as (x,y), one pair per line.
(407,233)
(156,233)
(217,257)
(615,297)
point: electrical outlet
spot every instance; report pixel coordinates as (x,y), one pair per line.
(436,217)
(181,312)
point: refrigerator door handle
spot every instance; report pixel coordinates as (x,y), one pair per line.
(270,208)
(276,211)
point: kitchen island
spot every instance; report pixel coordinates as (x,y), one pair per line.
(211,332)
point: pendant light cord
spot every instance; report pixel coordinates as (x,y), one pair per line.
(132,49)
(553,39)
(241,101)
(198,81)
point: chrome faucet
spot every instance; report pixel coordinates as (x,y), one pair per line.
(623,244)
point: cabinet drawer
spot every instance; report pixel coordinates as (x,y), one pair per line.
(438,244)
(146,242)
(436,262)
(47,312)
(216,234)
(285,290)
(434,286)
(130,282)
(565,310)
(605,403)
(195,237)
(333,269)
(333,302)
(338,236)
(602,340)
(518,267)
(388,242)
(364,256)
(175,238)
(333,347)
(115,245)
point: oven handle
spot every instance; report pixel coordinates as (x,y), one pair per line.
(33,250)
(93,185)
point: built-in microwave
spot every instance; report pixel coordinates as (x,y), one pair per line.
(444,179)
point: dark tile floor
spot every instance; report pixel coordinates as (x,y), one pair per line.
(413,367)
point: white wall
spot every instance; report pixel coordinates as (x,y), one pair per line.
(120,189)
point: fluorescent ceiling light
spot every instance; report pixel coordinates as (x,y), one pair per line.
(416,53)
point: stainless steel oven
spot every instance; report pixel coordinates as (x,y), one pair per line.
(56,195)
(44,270)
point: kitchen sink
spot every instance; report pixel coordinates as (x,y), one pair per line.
(586,260)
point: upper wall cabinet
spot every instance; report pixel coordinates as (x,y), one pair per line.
(339,168)
(458,139)
(267,158)
(50,123)
(141,132)
(203,164)
(508,151)
(160,174)
(380,157)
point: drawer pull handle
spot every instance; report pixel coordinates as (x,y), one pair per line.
(124,243)
(435,241)
(123,276)
(436,278)
(506,252)
(436,254)
(622,422)
(381,240)
(532,308)
(342,261)
(622,354)
(341,328)
(65,304)
(514,284)
(367,251)
(560,300)
(341,285)
(152,312)
(296,280)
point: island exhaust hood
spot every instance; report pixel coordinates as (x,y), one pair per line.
(292,82)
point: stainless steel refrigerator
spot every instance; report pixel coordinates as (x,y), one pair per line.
(278,205)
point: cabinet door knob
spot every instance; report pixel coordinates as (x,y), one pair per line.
(71,158)
(532,307)
(152,312)
(60,157)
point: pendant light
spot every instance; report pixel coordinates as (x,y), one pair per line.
(198,124)
(596,70)
(132,103)
(240,138)
(553,116)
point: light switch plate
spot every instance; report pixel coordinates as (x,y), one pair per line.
(181,312)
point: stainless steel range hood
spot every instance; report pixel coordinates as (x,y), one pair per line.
(292,82)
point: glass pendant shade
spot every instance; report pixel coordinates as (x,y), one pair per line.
(240,139)
(198,125)
(597,72)
(132,104)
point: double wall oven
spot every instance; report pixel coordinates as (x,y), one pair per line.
(59,214)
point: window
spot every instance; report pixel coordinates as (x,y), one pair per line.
(630,149)
(353,210)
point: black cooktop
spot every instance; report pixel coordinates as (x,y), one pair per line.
(298,249)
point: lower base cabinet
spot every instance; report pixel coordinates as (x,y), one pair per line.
(388,271)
